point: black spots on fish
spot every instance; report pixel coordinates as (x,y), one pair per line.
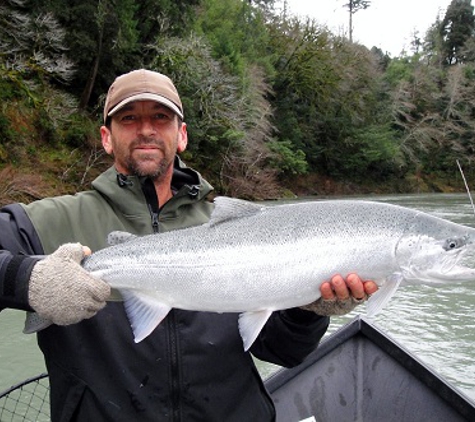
(454,243)
(118,237)
(342,400)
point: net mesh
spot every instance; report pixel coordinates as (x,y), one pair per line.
(27,401)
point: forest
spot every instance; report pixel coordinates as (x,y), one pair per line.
(276,105)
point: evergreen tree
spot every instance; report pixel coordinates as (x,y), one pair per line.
(353,7)
(108,37)
(457,27)
(433,46)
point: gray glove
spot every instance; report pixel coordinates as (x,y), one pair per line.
(62,291)
(334,307)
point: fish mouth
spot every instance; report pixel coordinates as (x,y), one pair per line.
(449,267)
(423,259)
(450,261)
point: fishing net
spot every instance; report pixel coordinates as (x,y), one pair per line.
(27,401)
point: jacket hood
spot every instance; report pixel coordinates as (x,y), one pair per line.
(184,177)
(187,184)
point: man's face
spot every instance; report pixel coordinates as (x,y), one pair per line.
(144,137)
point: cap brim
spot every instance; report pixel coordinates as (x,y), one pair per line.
(150,97)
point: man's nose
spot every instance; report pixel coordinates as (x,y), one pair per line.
(146,127)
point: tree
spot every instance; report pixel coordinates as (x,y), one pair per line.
(327,102)
(33,44)
(125,36)
(457,27)
(101,35)
(236,32)
(228,121)
(109,37)
(434,109)
(353,7)
(433,45)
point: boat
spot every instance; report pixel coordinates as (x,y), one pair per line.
(357,374)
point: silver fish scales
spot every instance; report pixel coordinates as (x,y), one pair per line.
(256,259)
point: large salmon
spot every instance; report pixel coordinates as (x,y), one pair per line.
(256,259)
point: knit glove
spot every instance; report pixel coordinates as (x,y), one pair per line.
(334,307)
(61,291)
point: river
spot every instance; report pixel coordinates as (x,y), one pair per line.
(437,324)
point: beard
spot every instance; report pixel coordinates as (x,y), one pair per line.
(147,164)
(144,167)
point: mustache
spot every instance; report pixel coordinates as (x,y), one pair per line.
(145,140)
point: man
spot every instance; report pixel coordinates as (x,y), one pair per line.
(193,366)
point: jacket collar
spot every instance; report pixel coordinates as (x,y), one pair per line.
(187,184)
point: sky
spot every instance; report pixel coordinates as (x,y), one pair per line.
(387,24)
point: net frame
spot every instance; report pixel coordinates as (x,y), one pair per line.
(27,401)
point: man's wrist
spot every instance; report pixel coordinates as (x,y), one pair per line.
(16,281)
(301,316)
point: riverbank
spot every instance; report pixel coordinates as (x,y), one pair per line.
(67,175)
(321,185)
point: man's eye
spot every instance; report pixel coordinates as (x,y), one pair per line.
(161,116)
(128,117)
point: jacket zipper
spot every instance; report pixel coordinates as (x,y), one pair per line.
(151,197)
(154,208)
(155,225)
(174,367)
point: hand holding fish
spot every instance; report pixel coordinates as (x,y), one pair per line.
(340,296)
(62,291)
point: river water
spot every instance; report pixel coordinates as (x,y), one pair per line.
(437,324)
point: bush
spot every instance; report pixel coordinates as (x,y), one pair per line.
(286,159)
(79,131)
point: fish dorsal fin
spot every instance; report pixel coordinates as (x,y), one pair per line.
(118,237)
(230,208)
(144,313)
(251,324)
(381,298)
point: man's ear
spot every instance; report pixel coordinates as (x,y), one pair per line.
(182,138)
(106,140)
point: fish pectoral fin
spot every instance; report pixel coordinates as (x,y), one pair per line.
(118,237)
(35,323)
(251,324)
(115,296)
(381,298)
(230,208)
(144,313)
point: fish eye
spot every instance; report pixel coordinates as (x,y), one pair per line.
(455,243)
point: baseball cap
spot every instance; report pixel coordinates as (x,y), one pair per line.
(142,85)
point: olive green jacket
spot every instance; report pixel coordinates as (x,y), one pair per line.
(118,202)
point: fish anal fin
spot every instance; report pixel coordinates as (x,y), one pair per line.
(144,313)
(381,298)
(230,208)
(118,237)
(251,324)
